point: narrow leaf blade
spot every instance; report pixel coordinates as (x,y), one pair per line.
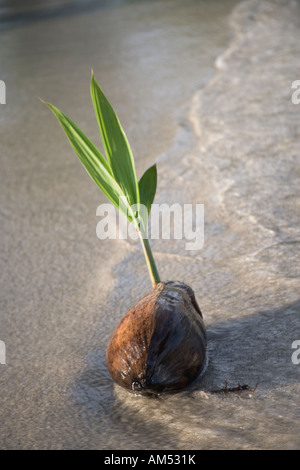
(147,187)
(116,145)
(92,160)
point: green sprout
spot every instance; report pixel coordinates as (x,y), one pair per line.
(115,175)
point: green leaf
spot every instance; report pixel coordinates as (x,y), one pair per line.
(116,145)
(94,163)
(147,187)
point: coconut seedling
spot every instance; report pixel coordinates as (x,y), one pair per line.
(160,344)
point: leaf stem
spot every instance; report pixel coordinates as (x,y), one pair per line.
(154,276)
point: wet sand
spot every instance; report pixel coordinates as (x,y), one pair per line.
(227,138)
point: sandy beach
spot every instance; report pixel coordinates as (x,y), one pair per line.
(205,92)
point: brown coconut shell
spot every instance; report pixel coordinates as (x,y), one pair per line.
(160,344)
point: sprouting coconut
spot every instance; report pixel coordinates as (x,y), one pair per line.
(160,344)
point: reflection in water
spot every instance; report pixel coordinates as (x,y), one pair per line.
(17,12)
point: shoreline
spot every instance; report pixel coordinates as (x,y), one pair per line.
(56,276)
(236,151)
(245,301)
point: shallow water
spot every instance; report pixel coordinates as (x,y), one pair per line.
(227,137)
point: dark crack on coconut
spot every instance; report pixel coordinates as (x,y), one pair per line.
(160,344)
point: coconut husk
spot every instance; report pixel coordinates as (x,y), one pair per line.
(160,344)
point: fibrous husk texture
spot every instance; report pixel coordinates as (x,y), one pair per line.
(160,344)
